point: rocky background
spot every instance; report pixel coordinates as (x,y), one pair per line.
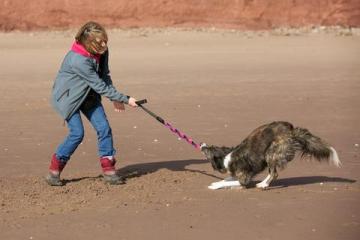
(235,14)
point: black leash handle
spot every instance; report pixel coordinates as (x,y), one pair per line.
(140,104)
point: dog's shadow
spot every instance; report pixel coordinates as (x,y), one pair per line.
(297,181)
(137,170)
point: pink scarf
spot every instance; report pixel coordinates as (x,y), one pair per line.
(79,49)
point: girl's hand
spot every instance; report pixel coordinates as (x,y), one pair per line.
(119,106)
(132,102)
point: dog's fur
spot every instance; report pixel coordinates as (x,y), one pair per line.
(270,146)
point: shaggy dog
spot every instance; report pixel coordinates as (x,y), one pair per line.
(270,146)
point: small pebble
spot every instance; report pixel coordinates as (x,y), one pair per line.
(155,140)
(356,145)
(135,127)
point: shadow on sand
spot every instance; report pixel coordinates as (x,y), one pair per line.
(296,181)
(137,170)
(73,180)
(140,169)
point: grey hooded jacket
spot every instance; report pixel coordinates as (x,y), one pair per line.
(77,76)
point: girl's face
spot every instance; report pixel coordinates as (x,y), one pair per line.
(97,45)
(93,37)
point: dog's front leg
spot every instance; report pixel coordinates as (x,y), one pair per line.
(230,181)
(230,178)
(224,184)
(244,178)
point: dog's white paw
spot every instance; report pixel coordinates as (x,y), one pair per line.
(216,185)
(213,187)
(224,184)
(228,179)
(262,185)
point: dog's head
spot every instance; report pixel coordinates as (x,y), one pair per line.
(216,156)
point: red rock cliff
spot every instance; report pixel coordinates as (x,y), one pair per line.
(239,14)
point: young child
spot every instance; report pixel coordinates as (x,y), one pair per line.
(80,82)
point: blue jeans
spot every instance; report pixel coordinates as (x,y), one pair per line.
(97,117)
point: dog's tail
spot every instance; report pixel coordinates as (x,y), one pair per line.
(312,145)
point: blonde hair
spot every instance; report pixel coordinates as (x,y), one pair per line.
(93,37)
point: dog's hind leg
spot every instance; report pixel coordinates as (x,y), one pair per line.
(266,182)
(280,152)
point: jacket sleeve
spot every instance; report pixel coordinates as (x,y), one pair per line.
(85,68)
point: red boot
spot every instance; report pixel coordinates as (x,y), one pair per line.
(109,172)
(56,167)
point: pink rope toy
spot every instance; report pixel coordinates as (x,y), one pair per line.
(168,125)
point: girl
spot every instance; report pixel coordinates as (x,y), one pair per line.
(82,78)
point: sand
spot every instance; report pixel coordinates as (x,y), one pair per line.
(216,86)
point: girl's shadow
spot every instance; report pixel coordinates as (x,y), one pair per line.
(137,170)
